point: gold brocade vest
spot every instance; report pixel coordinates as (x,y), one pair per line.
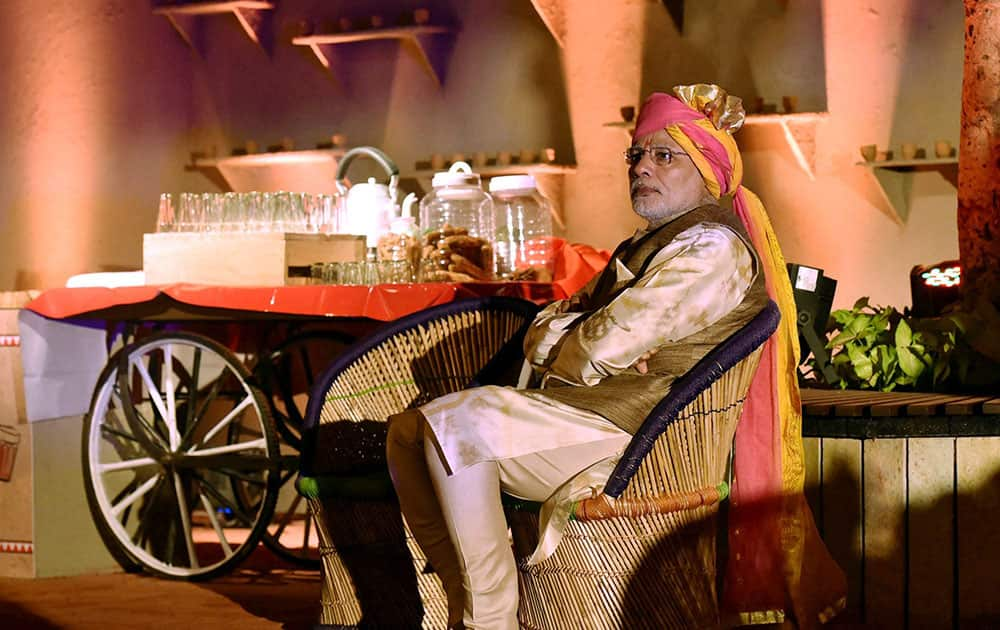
(627,398)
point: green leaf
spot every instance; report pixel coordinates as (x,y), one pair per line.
(861,303)
(887,358)
(880,321)
(904,335)
(841,339)
(909,363)
(861,363)
(859,323)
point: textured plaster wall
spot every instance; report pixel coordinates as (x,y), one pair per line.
(90,131)
(893,72)
(101,112)
(888,71)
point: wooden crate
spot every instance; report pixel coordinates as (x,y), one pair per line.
(243,259)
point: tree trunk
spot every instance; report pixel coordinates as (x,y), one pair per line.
(979,158)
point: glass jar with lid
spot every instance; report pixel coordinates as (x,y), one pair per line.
(525,249)
(399,248)
(456,220)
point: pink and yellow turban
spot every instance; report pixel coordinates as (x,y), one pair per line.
(777,563)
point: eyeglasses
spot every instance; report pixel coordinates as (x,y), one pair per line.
(662,156)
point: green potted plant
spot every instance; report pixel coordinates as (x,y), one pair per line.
(879,348)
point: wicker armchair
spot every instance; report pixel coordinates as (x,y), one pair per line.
(639,555)
(374,573)
(642,553)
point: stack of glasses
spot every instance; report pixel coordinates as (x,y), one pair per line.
(250,212)
(362,273)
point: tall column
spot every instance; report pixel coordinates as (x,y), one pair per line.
(979,156)
(603,70)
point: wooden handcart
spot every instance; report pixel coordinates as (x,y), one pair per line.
(193,431)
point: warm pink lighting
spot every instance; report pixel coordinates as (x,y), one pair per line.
(64,111)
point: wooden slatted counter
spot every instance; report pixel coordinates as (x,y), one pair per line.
(866,414)
(905,488)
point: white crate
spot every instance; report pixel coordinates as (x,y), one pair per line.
(243,259)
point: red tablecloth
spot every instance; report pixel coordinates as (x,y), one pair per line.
(382,302)
(575,265)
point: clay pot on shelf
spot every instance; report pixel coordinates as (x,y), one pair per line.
(943,149)
(790,104)
(527,156)
(628,113)
(908,151)
(868,152)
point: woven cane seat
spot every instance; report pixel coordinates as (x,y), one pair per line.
(642,554)
(374,573)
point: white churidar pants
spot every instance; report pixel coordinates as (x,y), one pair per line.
(458,520)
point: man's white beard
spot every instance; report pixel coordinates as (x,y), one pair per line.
(656,214)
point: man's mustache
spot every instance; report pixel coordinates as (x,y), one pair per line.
(637,184)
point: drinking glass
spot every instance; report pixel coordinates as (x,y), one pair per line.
(296,221)
(166,221)
(312,211)
(317,273)
(350,273)
(189,217)
(253,212)
(232,213)
(393,272)
(211,212)
(330,216)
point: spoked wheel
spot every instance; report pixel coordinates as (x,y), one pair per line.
(163,463)
(286,375)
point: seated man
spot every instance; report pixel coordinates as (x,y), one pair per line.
(605,357)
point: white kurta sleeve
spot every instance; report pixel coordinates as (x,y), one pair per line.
(694,281)
(548,327)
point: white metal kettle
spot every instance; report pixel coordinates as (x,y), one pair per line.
(369,207)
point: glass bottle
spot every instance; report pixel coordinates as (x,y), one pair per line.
(523,218)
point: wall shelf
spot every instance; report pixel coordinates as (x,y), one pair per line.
(896,178)
(312,171)
(183,17)
(629,126)
(553,15)
(799,130)
(424,39)
(800,134)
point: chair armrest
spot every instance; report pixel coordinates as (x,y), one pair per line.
(688,387)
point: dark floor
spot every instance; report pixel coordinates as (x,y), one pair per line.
(263,594)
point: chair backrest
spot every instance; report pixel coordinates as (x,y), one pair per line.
(412,360)
(737,350)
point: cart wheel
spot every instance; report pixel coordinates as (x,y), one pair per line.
(107,437)
(162,462)
(286,376)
